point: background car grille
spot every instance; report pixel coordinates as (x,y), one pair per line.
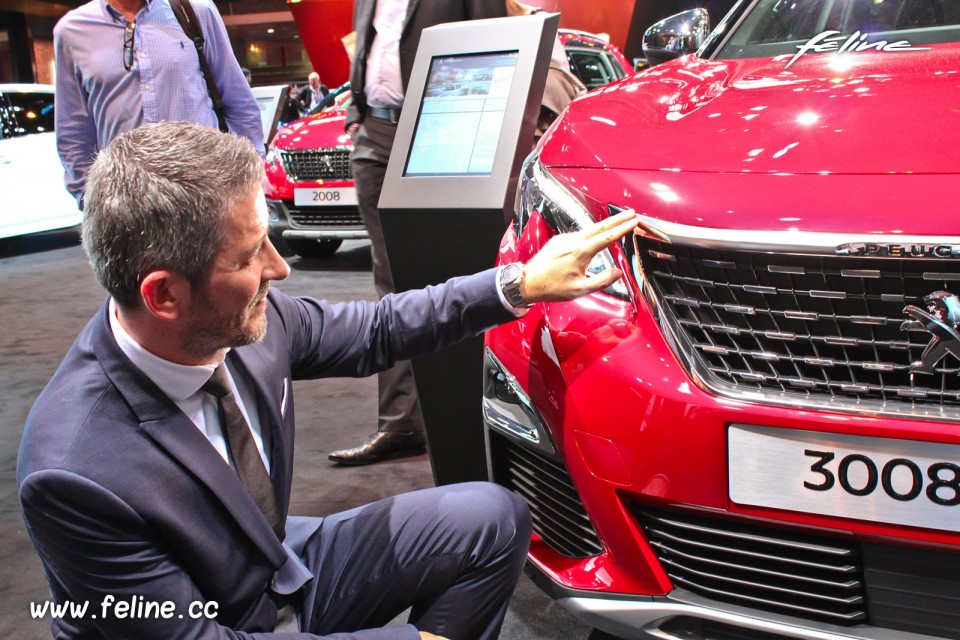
(816,577)
(305,165)
(324,216)
(818,327)
(559,517)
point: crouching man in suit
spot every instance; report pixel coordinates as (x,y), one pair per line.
(156,466)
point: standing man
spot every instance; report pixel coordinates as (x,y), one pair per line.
(312,94)
(156,466)
(388,33)
(124,63)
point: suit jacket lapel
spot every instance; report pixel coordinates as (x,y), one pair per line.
(411,9)
(166,425)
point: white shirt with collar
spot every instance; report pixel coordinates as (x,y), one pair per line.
(383,83)
(182,384)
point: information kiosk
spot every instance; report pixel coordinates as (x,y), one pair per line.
(467,122)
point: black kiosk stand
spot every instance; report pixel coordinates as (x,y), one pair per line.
(468,121)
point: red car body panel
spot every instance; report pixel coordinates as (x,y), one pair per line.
(749,110)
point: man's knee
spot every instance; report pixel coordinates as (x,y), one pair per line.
(497,515)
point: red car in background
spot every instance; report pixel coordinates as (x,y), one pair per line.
(755,433)
(593,58)
(310,192)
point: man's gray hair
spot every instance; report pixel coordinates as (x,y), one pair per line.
(156,198)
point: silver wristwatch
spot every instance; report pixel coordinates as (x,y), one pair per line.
(511,276)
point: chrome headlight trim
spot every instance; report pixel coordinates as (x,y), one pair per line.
(539,192)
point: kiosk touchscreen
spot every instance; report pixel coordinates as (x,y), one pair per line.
(464,103)
(467,122)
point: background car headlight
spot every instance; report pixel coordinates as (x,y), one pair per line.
(272,159)
(540,193)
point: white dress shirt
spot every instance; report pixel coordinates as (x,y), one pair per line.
(182,384)
(383,83)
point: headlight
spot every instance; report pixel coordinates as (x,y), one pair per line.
(272,158)
(539,192)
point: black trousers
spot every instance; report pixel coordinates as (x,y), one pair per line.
(453,554)
(399,407)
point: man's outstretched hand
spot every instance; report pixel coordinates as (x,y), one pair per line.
(559,270)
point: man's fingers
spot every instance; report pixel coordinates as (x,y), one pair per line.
(606,232)
(611,222)
(602,280)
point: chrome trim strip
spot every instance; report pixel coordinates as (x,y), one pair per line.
(643,619)
(801,242)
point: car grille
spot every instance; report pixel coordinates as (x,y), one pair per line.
(559,517)
(317,164)
(324,216)
(811,328)
(815,577)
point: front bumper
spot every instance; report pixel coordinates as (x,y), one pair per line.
(607,499)
(291,222)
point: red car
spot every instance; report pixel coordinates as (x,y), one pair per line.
(310,192)
(593,59)
(755,434)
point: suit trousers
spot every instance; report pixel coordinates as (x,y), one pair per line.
(453,554)
(399,407)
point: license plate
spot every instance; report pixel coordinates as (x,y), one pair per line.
(325,197)
(904,482)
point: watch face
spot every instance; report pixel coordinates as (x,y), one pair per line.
(509,273)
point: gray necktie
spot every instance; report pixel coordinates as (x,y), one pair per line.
(243,449)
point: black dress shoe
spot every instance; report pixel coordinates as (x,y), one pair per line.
(383,445)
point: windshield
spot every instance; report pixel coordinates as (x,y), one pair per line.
(26,113)
(776,27)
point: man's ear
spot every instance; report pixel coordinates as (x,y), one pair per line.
(165,294)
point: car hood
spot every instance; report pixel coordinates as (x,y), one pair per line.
(324,130)
(866,113)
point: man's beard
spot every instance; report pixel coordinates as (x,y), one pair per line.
(214,331)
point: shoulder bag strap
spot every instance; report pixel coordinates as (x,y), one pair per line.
(187,18)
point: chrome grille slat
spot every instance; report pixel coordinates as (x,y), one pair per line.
(774,569)
(553,477)
(304,165)
(767,355)
(573,519)
(339,216)
(801,327)
(774,588)
(776,575)
(706,528)
(794,609)
(558,514)
(746,555)
(815,576)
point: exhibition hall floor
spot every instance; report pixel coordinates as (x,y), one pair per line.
(49,293)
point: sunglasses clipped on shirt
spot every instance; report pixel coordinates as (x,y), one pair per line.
(129,32)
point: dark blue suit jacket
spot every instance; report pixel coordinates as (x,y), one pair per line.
(123,496)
